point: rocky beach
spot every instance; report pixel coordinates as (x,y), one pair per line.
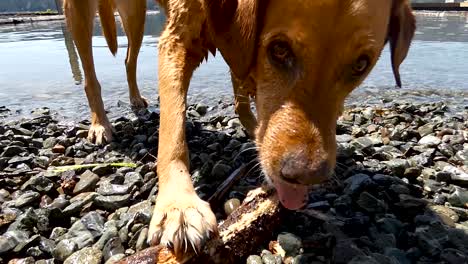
(399,193)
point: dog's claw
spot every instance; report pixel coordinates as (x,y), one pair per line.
(139,102)
(100,134)
(183,224)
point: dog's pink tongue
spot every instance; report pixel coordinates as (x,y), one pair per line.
(292,197)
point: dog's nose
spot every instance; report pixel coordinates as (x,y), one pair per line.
(300,168)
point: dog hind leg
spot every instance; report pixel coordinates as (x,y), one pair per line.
(133,14)
(80,19)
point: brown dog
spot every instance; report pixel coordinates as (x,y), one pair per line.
(300,59)
(80,20)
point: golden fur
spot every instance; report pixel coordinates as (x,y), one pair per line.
(300,59)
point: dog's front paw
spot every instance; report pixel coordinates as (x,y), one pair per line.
(100,133)
(182,222)
(139,102)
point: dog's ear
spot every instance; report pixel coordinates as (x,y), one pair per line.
(234,26)
(400,33)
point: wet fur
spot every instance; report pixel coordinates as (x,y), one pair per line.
(297,108)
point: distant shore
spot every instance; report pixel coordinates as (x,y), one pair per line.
(31,17)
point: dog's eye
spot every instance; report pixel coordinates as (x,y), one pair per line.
(281,53)
(361,65)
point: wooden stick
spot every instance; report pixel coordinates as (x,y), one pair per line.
(248,226)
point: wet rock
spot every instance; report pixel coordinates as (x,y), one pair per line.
(371,204)
(431,238)
(220,170)
(453,256)
(397,254)
(430,141)
(87,182)
(290,243)
(60,149)
(50,142)
(357,183)
(29,260)
(408,202)
(112,202)
(426,129)
(87,255)
(27,198)
(6,219)
(12,151)
(345,251)
(77,205)
(39,184)
(102,170)
(10,239)
(231,205)
(112,248)
(459,197)
(444,213)
(254,259)
(398,166)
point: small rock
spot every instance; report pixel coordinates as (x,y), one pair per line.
(64,249)
(27,198)
(58,149)
(453,256)
(50,142)
(357,183)
(231,205)
(430,141)
(87,255)
(290,243)
(112,202)
(87,182)
(459,197)
(254,259)
(345,251)
(102,170)
(220,170)
(371,204)
(12,151)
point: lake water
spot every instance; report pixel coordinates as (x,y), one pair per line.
(38,67)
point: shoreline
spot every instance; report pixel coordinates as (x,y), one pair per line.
(400,182)
(33,17)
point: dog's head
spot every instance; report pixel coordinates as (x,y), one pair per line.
(305,57)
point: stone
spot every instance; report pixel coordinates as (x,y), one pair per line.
(58,149)
(113,247)
(453,256)
(64,249)
(254,259)
(12,151)
(87,255)
(357,183)
(27,198)
(345,251)
(231,205)
(459,197)
(430,141)
(112,202)
(371,204)
(290,243)
(220,170)
(426,129)
(87,182)
(103,170)
(50,142)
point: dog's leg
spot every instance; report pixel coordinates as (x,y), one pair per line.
(180,217)
(80,19)
(132,13)
(242,106)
